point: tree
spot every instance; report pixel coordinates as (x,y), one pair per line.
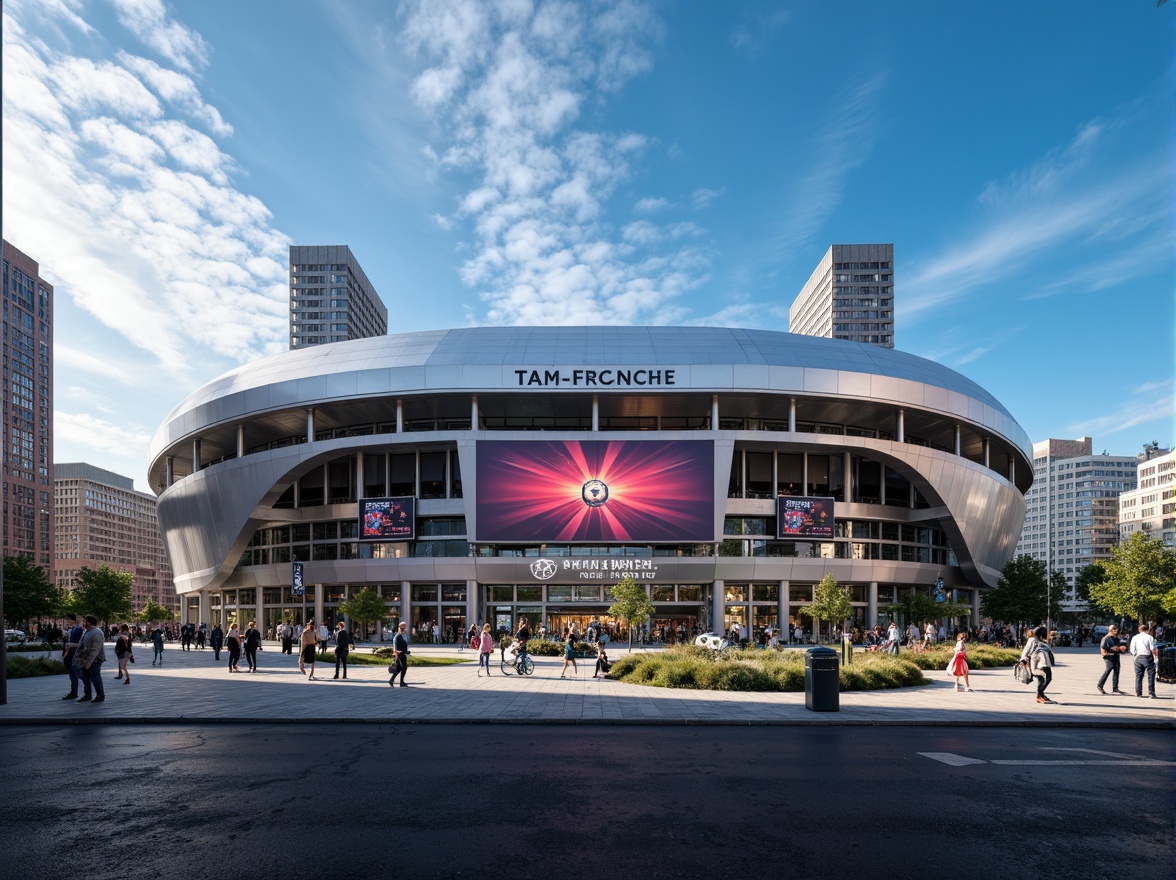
(830,602)
(1021,594)
(366,606)
(1089,576)
(28,594)
(1137,579)
(153,612)
(914,606)
(630,603)
(104,593)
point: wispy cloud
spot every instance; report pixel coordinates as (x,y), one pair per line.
(115,182)
(508,85)
(756,27)
(93,433)
(1151,401)
(1074,207)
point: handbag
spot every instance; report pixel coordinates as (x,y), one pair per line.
(1022,672)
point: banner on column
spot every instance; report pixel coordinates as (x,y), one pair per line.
(298,578)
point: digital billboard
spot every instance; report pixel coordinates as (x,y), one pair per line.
(804,517)
(387,519)
(595,490)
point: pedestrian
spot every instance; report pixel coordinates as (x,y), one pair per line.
(1040,659)
(287,634)
(124,652)
(306,644)
(602,663)
(201,635)
(233,643)
(485,649)
(157,641)
(929,634)
(1144,654)
(1112,649)
(90,657)
(342,647)
(324,636)
(400,647)
(217,639)
(569,654)
(959,663)
(252,644)
(892,638)
(69,651)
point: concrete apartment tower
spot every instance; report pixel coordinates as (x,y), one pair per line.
(331,299)
(850,295)
(1072,518)
(28,410)
(102,520)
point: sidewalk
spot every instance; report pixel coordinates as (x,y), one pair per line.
(192,687)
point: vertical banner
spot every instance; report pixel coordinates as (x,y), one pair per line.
(298,578)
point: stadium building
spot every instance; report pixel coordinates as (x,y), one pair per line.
(490,474)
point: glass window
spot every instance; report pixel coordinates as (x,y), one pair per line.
(765,592)
(559,594)
(898,489)
(587,593)
(375,467)
(735,592)
(326,531)
(689,594)
(455,474)
(403,474)
(300,533)
(868,489)
(433,474)
(790,469)
(663,594)
(530,594)
(310,488)
(453,593)
(818,474)
(424,593)
(759,475)
(800,593)
(501,594)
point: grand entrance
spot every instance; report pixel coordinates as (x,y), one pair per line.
(559,620)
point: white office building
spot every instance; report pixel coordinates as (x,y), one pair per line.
(1149,507)
(850,295)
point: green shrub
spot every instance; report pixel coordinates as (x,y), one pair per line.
(31,667)
(36,647)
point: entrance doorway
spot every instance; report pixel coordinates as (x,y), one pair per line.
(674,627)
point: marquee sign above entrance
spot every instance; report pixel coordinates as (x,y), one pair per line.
(605,569)
(601,377)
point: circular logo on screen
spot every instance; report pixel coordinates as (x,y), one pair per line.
(543,569)
(594,493)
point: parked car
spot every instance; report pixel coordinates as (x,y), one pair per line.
(714,641)
(14,637)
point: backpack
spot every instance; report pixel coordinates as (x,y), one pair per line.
(1022,672)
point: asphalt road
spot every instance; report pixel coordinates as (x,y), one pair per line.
(524,802)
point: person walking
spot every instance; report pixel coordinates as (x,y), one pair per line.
(485,649)
(90,657)
(306,645)
(286,632)
(233,644)
(1144,654)
(569,655)
(959,663)
(69,650)
(929,634)
(124,652)
(217,639)
(252,643)
(324,636)
(157,642)
(342,648)
(1112,649)
(1040,659)
(892,638)
(400,647)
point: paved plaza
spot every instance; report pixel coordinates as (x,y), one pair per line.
(192,686)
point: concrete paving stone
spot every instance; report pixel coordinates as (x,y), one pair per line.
(191,686)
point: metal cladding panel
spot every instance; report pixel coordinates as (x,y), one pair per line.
(884,388)
(785,378)
(373,381)
(443,377)
(820,381)
(853,384)
(341,385)
(751,376)
(711,376)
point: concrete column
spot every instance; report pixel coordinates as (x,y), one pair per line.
(359,480)
(595,412)
(975,617)
(195,456)
(1012,470)
(203,612)
(775,474)
(872,604)
(387,476)
(792,415)
(474,420)
(240,441)
(957,439)
(714,412)
(804,474)
(900,431)
(260,612)
(318,605)
(473,606)
(405,610)
(987,448)
(847,468)
(782,609)
(882,484)
(310,424)
(170,474)
(717,606)
(399,417)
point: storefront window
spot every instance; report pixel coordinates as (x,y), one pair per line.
(559,594)
(453,593)
(765,592)
(663,594)
(530,594)
(735,592)
(424,593)
(501,594)
(689,594)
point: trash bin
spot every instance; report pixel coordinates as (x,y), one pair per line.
(1167,670)
(822,687)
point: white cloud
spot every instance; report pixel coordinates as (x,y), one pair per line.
(85,430)
(131,211)
(703,198)
(1150,401)
(508,84)
(650,205)
(149,21)
(756,27)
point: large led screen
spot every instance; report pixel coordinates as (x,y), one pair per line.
(595,490)
(804,517)
(387,519)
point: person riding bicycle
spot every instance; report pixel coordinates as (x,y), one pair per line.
(523,635)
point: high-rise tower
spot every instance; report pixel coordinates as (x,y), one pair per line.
(850,295)
(331,299)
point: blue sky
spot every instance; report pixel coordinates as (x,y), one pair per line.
(623,162)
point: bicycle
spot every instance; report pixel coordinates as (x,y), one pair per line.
(522,666)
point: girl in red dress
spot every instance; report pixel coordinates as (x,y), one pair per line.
(959,663)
